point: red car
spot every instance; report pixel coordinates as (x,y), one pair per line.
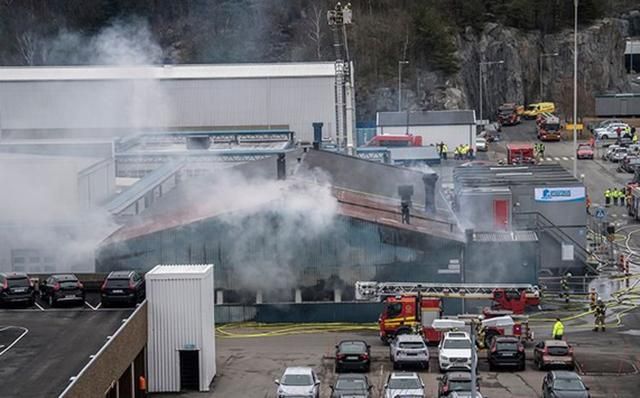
(585,151)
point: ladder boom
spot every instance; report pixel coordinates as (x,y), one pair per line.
(380,290)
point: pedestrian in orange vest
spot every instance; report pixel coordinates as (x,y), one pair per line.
(142,385)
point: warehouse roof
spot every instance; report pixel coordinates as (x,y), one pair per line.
(427,118)
(168,72)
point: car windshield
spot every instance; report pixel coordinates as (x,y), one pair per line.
(414,345)
(404,384)
(115,283)
(507,346)
(355,347)
(18,282)
(296,380)
(568,385)
(558,351)
(460,385)
(584,146)
(68,283)
(552,127)
(351,384)
(457,344)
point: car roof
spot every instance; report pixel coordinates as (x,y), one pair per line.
(65,277)
(459,375)
(119,274)
(556,343)
(298,370)
(456,335)
(508,339)
(14,275)
(351,376)
(404,375)
(565,374)
(352,342)
(410,337)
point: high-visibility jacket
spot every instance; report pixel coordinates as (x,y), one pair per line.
(634,139)
(607,194)
(558,329)
(445,149)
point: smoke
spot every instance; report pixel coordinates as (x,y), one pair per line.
(50,219)
(267,224)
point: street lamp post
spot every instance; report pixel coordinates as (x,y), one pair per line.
(541,57)
(400,63)
(480,65)
(575,88)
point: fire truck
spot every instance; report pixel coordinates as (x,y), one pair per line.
(395,140)
(548,127)
(509,114)
(409,306)
(520,153)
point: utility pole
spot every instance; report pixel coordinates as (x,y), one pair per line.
(541,57)
(480,81)
(575,88)
(400,63)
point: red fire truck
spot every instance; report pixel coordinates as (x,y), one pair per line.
(520,153)
(408,306)
(395,140)
(548,127)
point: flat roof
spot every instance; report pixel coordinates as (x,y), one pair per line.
(55,346)
(168,72)
(162,271)
(427,118)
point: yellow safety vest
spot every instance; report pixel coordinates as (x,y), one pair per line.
(558,329)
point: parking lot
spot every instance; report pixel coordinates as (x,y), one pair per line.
(247,367)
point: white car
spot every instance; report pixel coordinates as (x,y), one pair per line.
(298,382)
(403,384)
(481,144)
(454,351)
(611,131)
(409,349)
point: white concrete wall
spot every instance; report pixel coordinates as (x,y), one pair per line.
(452,135)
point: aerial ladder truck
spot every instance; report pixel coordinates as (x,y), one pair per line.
(410,306)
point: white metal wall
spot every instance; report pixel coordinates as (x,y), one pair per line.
(452,135)
(181,316)
(96,184)
(295,102)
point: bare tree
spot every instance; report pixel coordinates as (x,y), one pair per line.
(28,46)
(315,22)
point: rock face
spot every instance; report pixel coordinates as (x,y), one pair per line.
(600,68)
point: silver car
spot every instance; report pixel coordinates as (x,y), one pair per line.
(298,382)
(403,384)
(409,349)
(618,154)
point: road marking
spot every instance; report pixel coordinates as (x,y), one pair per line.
(549,159)
(16,340)
(98,306)
(565,158)
(556,158)
(39,306)
(90,306)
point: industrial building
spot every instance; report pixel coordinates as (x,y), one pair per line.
(108,101)
(451,127)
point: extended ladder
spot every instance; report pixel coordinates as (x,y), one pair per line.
(379,290)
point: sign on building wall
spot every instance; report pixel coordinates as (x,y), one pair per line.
(569,194)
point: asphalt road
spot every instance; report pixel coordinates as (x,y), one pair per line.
(40,350)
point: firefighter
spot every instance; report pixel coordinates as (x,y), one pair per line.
(593,299)
(558,330)
(588,204)
(142,386)
(634,139)
(564,285)
(456,152)
(607,197)
(542,148)
(445,149)
(615,196)
(622,196)
(601,312)
(481,336)
(404,209)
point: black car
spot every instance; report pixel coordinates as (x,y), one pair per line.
(506,351)
(16,288)
(353,355)
(122,287)
(62,288)
(454,381)
(351,385)
(564,384)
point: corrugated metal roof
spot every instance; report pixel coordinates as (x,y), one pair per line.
(506,236)
(427,118)
(177,72)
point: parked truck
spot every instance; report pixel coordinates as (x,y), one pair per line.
(548,127)
(509,114)
(520,153)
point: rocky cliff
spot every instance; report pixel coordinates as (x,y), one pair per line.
(600,69)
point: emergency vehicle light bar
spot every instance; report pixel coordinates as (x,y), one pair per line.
(376,291)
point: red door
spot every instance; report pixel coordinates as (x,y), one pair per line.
(501,214)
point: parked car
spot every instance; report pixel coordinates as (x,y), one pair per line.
(353,355)
(122,287)
(61,288)
(16,288)
(564,384)
(481,144)
(403,384)
(455,382)
(351,385)
(629,164)
(464,394)
(506,351)
(618,154)
(585,151)
(298,382)
(604,123)
(553,353)
(454,351)
(612,130)
(409,349)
